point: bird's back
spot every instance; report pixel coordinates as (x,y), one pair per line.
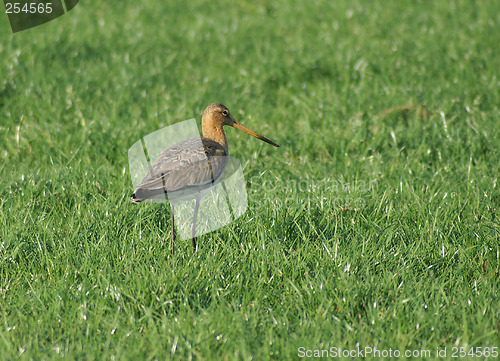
(188,166)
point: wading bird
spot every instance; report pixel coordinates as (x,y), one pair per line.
(188,169)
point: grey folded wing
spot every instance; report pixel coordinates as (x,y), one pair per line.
(193,164)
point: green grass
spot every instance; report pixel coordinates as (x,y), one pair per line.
(375,224)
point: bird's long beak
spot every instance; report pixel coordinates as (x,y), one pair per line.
(237,125)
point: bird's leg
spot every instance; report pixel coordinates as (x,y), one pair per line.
(173,228)
(193,226)
(228,200)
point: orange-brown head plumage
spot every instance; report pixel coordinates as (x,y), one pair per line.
(215,117)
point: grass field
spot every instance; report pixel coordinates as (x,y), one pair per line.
(375,224)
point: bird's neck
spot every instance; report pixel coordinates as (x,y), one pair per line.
(216,134)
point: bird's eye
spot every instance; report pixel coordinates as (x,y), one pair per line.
(225,113)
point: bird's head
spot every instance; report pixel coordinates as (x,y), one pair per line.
(218,115)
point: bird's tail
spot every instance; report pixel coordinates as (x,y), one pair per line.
(135,199)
